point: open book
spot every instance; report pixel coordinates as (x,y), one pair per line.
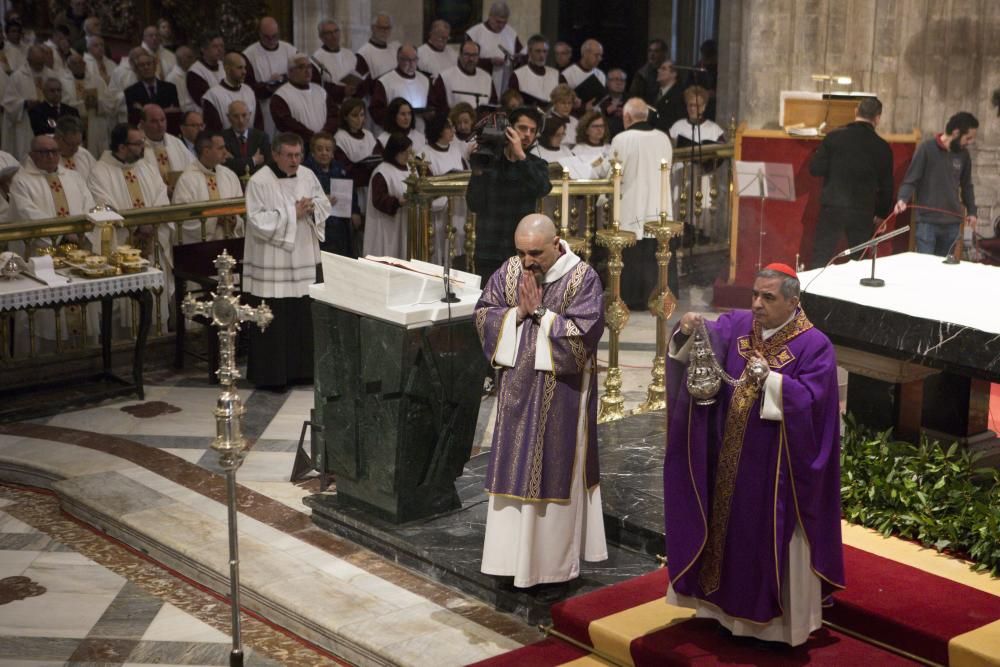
(409,266)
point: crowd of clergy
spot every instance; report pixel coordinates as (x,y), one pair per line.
(181,123)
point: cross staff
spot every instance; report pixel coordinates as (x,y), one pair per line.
(227,313)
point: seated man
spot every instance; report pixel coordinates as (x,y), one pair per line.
(206,179)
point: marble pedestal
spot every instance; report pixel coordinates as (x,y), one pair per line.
(398,411)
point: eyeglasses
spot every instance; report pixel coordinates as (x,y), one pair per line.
(46,151)
(135,143)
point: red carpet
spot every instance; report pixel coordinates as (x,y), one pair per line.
(885,601)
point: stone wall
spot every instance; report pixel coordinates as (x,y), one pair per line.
(926,59)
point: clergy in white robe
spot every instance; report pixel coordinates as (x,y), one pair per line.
(385,216)
(23,91)
(640,148)
(268,58)
(85,91)
(540,319)
(121,178)
(215,103)
(73,156)
(178,77)
(11,57)
(124,76)
(498,44)
(43,189)
(164,152)
(379,52)
(335,62)
(286,215)
(165,60)
(436,55)
(206,179)
(463,83)
(97,61)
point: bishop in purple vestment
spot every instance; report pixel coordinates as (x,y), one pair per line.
(540,319)
(752,482)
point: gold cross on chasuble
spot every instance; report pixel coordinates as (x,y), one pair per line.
(59,200)
(134,190)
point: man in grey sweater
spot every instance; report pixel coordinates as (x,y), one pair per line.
(940,177)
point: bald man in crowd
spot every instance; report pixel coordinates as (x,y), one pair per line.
(268,58)
(404,81)
(216,101)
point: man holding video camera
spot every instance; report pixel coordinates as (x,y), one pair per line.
(506,184)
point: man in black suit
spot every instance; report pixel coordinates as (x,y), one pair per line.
(150,90)
(856,165)
(43,116)
(669,103)
(247,146)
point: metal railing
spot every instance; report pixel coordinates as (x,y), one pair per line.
(591,219)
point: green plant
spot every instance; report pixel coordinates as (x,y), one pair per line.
(927,492)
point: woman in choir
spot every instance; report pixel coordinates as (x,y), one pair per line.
(562,98)
(696,130)
(399,118)
(551,144)
(510,100)
(385,223)
(443,154)
(356,147)
(339,230)
(463,119)
(592,143)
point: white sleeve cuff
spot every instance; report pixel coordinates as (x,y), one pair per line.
(543,346)
(509,340)
(679,353)
(770,403)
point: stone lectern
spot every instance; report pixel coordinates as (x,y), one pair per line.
(398,382)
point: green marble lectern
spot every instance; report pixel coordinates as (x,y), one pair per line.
(398,406)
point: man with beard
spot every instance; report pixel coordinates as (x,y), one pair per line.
(506,190)
(940,176)
(464,82)
(776,508)
(539,319)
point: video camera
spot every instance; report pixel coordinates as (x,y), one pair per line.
(491,138)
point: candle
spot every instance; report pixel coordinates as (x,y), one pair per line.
(664,184)
(616,195)
(564,216)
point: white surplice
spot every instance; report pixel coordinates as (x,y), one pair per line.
(21,87)
(307,105)
(282,250)
(386,235)
(380,59)
(442,162)
(640,152)
(432,62)
(97,120)
(82,162)
(192,186)
(268,65)
(222,95)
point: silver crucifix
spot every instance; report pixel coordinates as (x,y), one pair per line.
(227,313)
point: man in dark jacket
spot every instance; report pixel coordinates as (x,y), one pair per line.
(506,191)
(856,164)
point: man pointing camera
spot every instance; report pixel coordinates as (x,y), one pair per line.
(505,189)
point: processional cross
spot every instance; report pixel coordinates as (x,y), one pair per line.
(227,313)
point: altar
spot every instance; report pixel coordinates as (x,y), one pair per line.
(921,351)
(764,231)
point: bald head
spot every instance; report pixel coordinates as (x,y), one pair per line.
(406,59)
(36,57)
(185,57)
(235,67)
(268,33)
(591,53)
(154,122)
(537,243)
(537,224)
(635,111)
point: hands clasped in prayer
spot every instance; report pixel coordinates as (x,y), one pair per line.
(529,296)
(304,207)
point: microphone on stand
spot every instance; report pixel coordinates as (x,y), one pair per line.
(873,242)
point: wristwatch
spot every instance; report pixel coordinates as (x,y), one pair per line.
(538,313)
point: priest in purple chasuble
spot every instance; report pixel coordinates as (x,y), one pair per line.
(540,318)
(752,482)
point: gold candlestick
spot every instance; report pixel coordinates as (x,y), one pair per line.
(563,216)
(616,313)
(662,305)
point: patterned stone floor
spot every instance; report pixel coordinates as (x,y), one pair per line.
(103,603)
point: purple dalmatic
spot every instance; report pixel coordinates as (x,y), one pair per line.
(538,411)
(736,485)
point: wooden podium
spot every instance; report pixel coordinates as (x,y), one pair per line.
(788,227)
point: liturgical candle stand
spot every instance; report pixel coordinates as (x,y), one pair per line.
(661,305)
(612,403)
(226,313)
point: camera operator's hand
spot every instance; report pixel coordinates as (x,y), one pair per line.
(514,142)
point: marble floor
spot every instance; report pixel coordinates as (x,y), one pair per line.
(113,541)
